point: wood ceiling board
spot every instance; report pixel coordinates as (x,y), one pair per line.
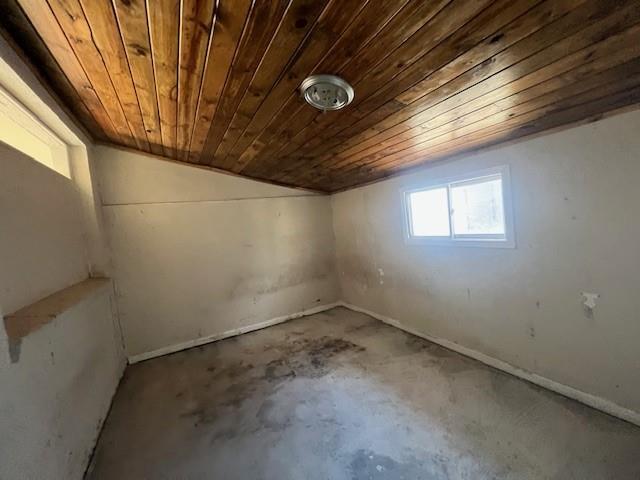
(134,29)
(105,34)
(71,18)
(296,23)
(358,38)
(263,22)
(498,39)
(525,127)
(453,78)
(216,82)
(487,120)
(482,26)
(508,97)
(393,34)
(619,104)
(17,31)
(614,54)
(48,29)
(510,64)
(195,31)
(530,117)
(227,30)
(454,16)
(164,30)
(328,28)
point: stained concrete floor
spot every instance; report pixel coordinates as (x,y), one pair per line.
(339,395)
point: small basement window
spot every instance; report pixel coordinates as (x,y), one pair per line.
(471,210)
(25,132)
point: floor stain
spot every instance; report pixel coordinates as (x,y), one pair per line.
(300,358)
(367,465)
(344,397)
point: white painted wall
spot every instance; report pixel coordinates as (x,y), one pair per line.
(41,231)
(197,253)
(54,399)
(576,199)
(128,177)
(33,112)
(82,168)
(55,396)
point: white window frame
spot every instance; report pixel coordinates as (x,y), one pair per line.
(492,241)
(25,132)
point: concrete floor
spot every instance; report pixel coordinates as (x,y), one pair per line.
(339,395)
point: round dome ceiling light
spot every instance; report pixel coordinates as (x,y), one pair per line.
(326,92)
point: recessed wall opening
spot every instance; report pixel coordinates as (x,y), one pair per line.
(23,131)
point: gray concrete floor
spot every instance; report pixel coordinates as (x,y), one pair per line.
(339,395)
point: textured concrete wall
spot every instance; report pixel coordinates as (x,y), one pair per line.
(72,157)
(575,196)
(56,389)
(127,177)
(198,253)
(42,242)
(56,393)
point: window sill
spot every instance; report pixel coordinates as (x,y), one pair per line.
(464,243)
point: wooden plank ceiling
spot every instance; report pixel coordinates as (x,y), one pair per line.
(215,82)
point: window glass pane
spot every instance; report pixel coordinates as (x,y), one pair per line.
(430,213)
(477,208)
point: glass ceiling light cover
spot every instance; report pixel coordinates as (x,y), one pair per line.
(326,92)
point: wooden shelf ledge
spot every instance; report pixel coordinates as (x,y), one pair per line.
(33,317)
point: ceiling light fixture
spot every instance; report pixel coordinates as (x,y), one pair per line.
(326,92)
